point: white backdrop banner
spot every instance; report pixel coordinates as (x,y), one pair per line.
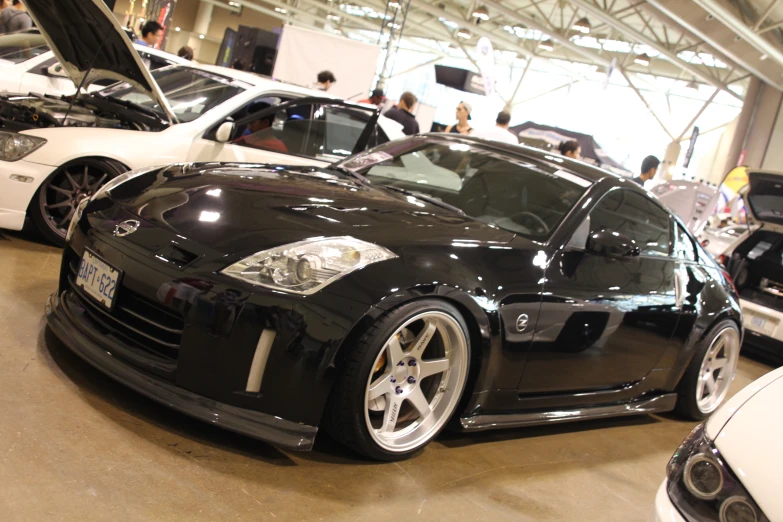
(303,53)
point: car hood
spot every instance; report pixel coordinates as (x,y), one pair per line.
(746,431)
(240,209)
(91,45)
(764,195)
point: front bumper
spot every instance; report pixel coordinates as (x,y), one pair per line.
(15,196)
(664,510)
(269,428)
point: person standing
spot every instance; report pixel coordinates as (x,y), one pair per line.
(402,113)
(463,115)
(377,98)
(151,34)
(570,149)
(649,169)
(500,131)
(325,80)
(15,18)
(185,52)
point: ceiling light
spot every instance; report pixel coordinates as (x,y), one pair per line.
(546,45)
(481,13)
(280,10)
(464,33)
(177,29)
(642,59)
(233,4)
(201,36)
(582,25)
(333,17)
(394,4)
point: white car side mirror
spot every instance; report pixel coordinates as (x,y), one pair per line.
(56,70)
(223,133)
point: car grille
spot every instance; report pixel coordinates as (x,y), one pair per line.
(135,321)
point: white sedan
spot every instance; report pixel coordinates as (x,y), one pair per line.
(56,151)
(731,468)
(27,65)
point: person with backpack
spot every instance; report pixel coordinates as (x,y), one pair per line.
(15,18)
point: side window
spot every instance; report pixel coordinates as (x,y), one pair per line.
(635,216)
(324,132)
(683,245)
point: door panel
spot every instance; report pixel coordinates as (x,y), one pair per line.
(606,321)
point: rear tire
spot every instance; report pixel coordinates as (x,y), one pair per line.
(708,378)
(402,381)
(57,198)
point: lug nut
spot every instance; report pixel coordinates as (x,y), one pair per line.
(412,380)
(398,390)
(392,379)
(411,363)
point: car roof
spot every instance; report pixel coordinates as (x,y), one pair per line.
(261,81)
(162,54)
(588,172)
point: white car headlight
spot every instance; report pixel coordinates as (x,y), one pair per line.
(15,146)
(307,266)
(122,178)
(77,215)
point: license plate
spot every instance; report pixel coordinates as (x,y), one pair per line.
(761,324)
(98,279)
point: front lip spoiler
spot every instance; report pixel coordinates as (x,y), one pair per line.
(279,432)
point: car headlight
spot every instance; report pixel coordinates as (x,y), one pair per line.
(77,215)
(122,178)
(307,266)
(703,487)
(15,146)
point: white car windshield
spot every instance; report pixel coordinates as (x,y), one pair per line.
(190,92)
(20,47)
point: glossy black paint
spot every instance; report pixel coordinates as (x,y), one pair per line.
(600,331)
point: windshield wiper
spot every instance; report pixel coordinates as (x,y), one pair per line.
(351,173)
(424,197)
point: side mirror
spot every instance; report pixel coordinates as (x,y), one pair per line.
(55,70)
(224,132)
(613,244)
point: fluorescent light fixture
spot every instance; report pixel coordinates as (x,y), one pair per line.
(582,25)
(481,13)
(642,59)
(464,33)
(546,45)
(177,29)
(281,10)
(201,36)
(394,4)
(233,4)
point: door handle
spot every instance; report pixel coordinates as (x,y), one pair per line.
(680,287)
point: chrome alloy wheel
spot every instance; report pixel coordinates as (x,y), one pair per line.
(416,381)
(717,370)
(63,192)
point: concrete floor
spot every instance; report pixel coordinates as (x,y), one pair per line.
(74,445)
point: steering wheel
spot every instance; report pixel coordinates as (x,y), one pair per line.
(535,218)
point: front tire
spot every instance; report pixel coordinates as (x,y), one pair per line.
(708,378)
(57,198)
(402,381)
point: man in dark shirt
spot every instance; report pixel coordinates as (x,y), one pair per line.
(401,113)
(649,168)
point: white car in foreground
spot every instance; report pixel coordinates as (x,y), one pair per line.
(730,469)
(27,65)
(56,151)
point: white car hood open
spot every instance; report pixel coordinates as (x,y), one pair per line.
(91,45)
(747,432)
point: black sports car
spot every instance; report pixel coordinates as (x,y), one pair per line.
(429,278)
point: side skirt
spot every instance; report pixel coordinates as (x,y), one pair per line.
(658,404)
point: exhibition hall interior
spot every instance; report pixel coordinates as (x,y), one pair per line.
(383,260)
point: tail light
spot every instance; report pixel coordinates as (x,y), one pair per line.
(705,242)
(722,259)
(729,279)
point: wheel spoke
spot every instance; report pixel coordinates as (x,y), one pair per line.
(95,186)
(427,368)
(61,190)
(71,180)
(420,402)
(700,392)
(718,364)
(710,383)
(59,205)
(379,387)
(395,351)
(422,340)
(86,178)
(391,413)
(67,218)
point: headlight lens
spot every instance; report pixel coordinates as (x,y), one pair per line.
(15,146)
(307,266)
(77,215)
(122,178)
(703,487)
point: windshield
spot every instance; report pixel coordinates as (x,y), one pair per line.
(20,47)
(512,193)
(190,92)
